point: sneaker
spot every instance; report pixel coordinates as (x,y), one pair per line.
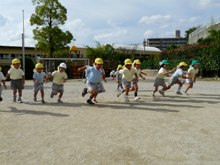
(179,93)
(89,101)
(161,92)
(35,99)
(19,100)
(137,98)
(84,92)
(1,99)
(43,101)
(59,101)
(186,93)
(118,94)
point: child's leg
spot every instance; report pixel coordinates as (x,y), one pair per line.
(14,94)
(188,86)
(42,94)
(35,95)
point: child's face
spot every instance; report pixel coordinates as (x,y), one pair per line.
(137,66)
(17,65)
(128,66)
(39,70)
(184,68)
(98,66)
(61,69)
(196,66)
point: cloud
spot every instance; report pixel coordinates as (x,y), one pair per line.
(189,20)
(206,3)
(154,19)
(111,36)
(148,34)
(3,20)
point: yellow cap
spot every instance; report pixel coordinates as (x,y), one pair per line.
(38,66)
(119,67)
(16,61)
(128,61)
(137,62)
(182,64)
(98,61)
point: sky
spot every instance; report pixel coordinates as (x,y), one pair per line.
(110,21)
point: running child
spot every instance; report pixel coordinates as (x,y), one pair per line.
(118,78)
(87,70)
(2,82)
(136,66)
(39,77)
(16,75)
(175,79)
(160,78)
(59,78)
(191,75)
(128,72)
(94,80)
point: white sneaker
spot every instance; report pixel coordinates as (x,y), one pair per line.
(136,98)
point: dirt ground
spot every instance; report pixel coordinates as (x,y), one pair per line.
(171,130)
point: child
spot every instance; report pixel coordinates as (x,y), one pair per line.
(95,75)
(16,75)
(118,78)
(127,76)
(59,78)
(160,81)
(39,77)
(86,68)
(191,75)
(175,79)
(136,65)
(2,81)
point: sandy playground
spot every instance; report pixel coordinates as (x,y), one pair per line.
(171,130)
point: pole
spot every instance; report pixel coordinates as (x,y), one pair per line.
(23,50)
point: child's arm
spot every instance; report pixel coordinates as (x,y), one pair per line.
(82,68)
(3,82)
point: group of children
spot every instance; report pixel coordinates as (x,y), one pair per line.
(17,77)
(178,74)
(126,76)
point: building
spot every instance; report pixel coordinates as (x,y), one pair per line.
(164,43)
(203,31)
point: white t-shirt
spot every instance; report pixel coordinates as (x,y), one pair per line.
(192,72)
(59,77)
(15,74)
(2,77)
(178,73)
(161,73)
(127,74)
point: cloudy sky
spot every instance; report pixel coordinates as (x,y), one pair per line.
(111,21)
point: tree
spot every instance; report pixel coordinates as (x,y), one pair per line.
(48,16)
(187,32)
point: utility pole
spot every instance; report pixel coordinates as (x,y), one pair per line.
(23,51)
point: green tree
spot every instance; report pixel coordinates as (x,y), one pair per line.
(190,30)
(48,16)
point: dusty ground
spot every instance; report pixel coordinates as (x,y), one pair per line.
(171,130)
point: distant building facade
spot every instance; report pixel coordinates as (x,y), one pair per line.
(203,31)
(164,43)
